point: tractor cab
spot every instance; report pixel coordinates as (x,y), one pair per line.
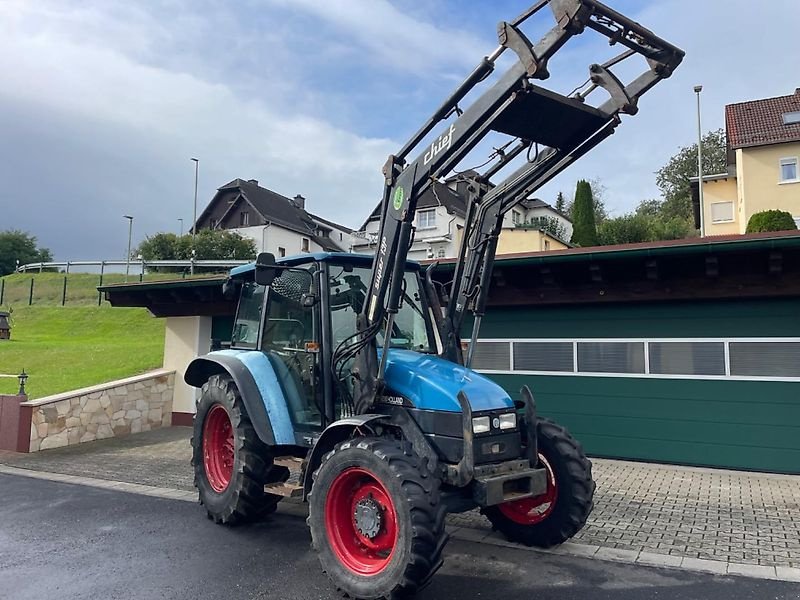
(297,311)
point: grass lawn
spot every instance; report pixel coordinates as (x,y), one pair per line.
(64,348)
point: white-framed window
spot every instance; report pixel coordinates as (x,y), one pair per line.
(516,217)
(441,253)
(244,218)
(789,170)
(721,212)
(281,251)
(426,219)
(305,245)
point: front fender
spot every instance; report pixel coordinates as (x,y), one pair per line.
(334,433)
(258,386)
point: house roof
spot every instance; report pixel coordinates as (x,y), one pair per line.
(278,209)
(537,203)
(760,122)
(439,194)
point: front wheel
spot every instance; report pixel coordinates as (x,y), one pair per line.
(559,513)
(376,519)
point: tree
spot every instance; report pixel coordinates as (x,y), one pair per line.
(627,229)
(16,245)
(584,229)
(771,220)
(216,244)
(598,201)
(673,178)
(561,203)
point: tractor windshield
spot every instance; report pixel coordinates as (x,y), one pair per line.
(348,290)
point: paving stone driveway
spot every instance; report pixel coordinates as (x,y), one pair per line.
(720,515)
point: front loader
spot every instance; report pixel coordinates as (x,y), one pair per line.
(347,383)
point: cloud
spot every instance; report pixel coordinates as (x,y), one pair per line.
(394,37)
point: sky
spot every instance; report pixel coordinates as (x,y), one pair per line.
(103,103)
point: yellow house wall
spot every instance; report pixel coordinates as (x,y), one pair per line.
(723,190)
(759,172)
(512,241)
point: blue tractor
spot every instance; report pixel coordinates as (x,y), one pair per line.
(347,383)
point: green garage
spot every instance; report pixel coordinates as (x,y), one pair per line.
(685,352)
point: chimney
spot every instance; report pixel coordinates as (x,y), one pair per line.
(253,181)
(300,202)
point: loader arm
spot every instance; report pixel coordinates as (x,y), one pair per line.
(560,128)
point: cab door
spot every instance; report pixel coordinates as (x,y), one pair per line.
(290,339)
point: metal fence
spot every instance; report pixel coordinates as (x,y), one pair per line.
(63,283)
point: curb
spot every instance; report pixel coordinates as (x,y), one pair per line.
(465,534)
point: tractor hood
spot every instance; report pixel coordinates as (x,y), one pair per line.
(433,383)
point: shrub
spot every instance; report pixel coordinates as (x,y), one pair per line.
(771,220)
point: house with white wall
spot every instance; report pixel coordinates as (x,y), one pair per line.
(275,223)
(440,221)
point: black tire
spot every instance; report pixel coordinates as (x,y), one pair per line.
(574,498)
(414,493)
(243,498)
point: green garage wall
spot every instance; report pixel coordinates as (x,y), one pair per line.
(733,423)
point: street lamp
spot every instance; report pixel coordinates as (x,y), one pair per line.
(128,256)
(194,216)
(697,90)
(181,222)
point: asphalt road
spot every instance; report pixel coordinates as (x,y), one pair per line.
(65,541)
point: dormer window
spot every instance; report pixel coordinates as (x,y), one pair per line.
(244,218)
(791,117)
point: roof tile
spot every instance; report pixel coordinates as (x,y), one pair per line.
(760,122)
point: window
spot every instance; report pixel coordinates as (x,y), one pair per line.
(426,219)
(611,357)
(547,245)
(492,356)
(304,247)
(248,316)
(244,218)
(281,251)
(765,359)
(687,358)
(721,212)
(543,356)
(340,237)
(441,253)
(791,117)
(516,217)
(789,170)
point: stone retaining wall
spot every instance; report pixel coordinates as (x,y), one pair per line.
(118,408)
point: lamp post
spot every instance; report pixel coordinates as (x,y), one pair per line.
(181,222)
(128,255)
(697,90)
(194,214)
(23,377)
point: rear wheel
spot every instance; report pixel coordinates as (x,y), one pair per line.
(376,519)
(559,513)
(231,464)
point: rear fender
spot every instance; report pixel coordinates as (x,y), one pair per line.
(258,386)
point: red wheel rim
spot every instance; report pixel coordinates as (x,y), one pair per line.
(218,453)
(530,511)
(356,489)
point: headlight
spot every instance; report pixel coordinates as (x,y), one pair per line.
(508,421)
(480,424)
